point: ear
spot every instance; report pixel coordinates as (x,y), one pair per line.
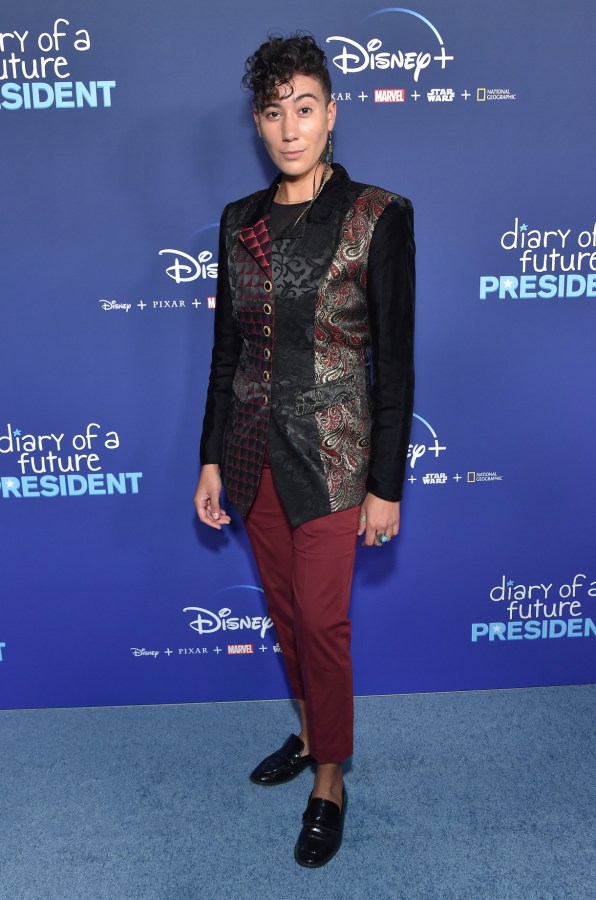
(257,122)
(331,113)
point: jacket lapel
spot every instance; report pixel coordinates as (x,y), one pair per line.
(255,235)
(257,241)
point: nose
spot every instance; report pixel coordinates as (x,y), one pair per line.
(288,130)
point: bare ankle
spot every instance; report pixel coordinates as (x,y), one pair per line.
(329,775)
(329,782)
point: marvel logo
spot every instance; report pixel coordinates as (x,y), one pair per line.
(241,648)
(390,95)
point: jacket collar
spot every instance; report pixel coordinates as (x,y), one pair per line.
(320,211)
(254,234)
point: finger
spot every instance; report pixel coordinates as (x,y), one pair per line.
(387,531)
(369,538)
(204,513)
(222,513)
(200,508)
(222,520)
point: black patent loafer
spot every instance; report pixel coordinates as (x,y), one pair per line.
(284,764)
(322,831)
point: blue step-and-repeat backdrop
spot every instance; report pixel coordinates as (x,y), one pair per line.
(124,131)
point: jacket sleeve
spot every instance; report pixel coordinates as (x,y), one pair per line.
(227,343)
(390,289)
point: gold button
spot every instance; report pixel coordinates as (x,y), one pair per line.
(268,286)
(266,330)
(265,399)
(267,353)
(266,375)
(267,308)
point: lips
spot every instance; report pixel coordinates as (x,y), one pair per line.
(292,154)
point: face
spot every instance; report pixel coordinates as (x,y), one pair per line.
(294,126)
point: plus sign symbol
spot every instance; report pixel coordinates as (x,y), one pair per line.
(426,454)
(425,441)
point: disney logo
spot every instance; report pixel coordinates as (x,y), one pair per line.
(138,652)
(187,268)
(368,58)
(112,304)
(207,622)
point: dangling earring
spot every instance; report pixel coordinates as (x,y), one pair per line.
(327,155)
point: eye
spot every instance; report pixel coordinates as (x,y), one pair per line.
(272,114)
(305,110)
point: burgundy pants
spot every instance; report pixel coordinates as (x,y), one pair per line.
(306,574)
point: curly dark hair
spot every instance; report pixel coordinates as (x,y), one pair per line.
(278,60)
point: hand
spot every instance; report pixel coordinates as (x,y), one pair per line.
(207,495)
(381,515)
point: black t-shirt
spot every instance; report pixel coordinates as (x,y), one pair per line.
(283,214)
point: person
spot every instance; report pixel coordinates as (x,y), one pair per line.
(310,402)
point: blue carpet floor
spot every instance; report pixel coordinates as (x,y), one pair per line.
(459,796)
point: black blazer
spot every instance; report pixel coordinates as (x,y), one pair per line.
(299,323)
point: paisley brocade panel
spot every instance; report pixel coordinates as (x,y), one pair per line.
(342,346)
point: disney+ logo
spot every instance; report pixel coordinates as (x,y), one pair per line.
(355,57)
